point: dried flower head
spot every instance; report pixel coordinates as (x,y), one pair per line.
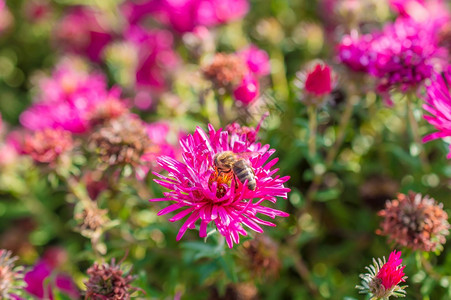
(415,221)
(121,141)
(109,281)
(109,109)
(203,189)
(261,256)
(383,278)
(47,145)
(226,70)
(11,277)
(92,218)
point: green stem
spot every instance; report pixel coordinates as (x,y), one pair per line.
(415,132)
(331,155)
(341,133)
(279,77)
(313,125)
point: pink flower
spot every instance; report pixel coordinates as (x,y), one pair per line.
(402,55)
(392,272)
(436,11)
(84,31)
(68,99)
(315,83)
(202,192)
(319,81)
(1,123)
(438,105)
(383,278)
(37,278)
(155,55)
(248,90)
(353,51)
(257,60)
(185,15)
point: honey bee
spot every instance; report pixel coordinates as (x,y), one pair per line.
(228,161)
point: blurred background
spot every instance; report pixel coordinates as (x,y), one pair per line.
(154,59)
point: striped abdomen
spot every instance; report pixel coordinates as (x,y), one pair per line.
(243,172)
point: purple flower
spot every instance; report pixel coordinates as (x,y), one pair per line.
(353,51)
(83,31)
(403,55)
(201,191)
(438,105)
(185,15)
(41,281)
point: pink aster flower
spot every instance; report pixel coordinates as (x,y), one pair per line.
(438,105)
(257,60)
(202,192)
(383,278)
(185,15)
(85,31)
(68,99)
(42,281)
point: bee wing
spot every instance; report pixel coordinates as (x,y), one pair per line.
(247,155)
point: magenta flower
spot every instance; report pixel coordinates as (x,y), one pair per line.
(353,51)
(257,60)
(248,90)
(39,286)
(319,81)
(83,31)
(155,55)
(392,272)
(202,192)
(436,11)
(402,55)
(315,83)
(405,54)
(185,15)
(383,278)
(68,99)
(438,105)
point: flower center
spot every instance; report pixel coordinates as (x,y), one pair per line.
(221,178)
